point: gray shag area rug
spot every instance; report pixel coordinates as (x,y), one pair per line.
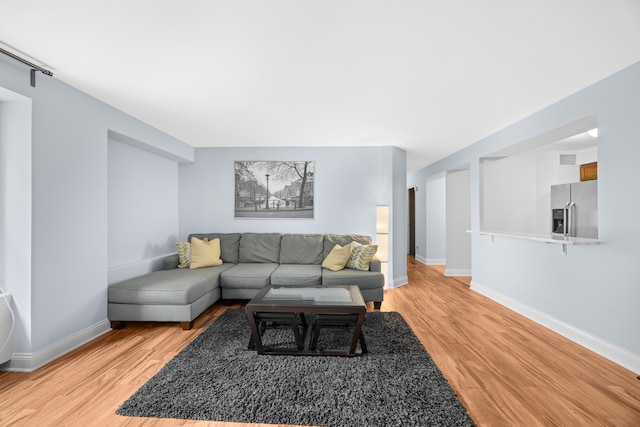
(216,378)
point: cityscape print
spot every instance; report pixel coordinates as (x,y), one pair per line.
(274,189)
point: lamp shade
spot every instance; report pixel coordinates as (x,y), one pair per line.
(382,220)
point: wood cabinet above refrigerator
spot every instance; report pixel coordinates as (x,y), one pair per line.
(589,171)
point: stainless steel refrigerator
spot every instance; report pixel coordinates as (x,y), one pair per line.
(574,209)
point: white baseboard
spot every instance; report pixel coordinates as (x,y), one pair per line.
(400,281)
(435,261)
(421,259)
(593,343)
(28,362)
(452,272)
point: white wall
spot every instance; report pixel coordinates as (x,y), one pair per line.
(65,300)
(509,193)
(458,246)
(15,208)
(436,222)
(589,295)
(399,236)
(142,210)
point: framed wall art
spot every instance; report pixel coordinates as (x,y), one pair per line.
(274,189)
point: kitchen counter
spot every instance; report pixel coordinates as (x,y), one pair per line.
(560,240)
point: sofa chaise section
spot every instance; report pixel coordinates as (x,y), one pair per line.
(176,295)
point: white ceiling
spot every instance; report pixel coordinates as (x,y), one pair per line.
(428,76)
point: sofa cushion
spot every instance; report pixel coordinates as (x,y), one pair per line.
(297,274)
(348,276)
(259,247)
(247,275)
(330,240)
(172,287)
(301,249)
(229,244)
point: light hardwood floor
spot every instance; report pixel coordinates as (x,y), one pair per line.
(507,370)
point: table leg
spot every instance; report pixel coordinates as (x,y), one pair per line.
(357,332)
(255,334)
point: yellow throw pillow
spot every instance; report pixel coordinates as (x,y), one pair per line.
(337,258)
(361,256)
(205,254)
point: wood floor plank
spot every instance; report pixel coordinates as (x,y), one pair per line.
(507,370)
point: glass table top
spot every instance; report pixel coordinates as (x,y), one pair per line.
(319,295)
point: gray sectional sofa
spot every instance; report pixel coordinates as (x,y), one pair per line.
(250,262)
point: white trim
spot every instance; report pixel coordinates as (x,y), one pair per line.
(435,261)
(603,348)
(452,272)
(28,362)
(421,259)
(400,281)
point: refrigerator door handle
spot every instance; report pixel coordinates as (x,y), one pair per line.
(570,226)
(565,229)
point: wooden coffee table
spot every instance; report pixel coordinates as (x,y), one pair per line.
(288,305)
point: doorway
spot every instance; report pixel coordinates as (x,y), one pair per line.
(412,221)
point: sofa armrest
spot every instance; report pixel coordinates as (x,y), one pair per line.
(170,262)
(375,264)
